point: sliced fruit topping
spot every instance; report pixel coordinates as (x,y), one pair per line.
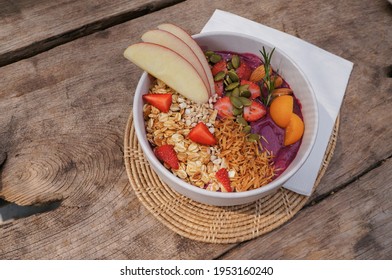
(254,112)
(281,110)
(224,107)
(167,154)
(253,88)
(201,134)
(294,130)
(243,71)
(221,66)
(160,101)
(223,177)
(171,41)
(177,72)
(219,88)
(183,35)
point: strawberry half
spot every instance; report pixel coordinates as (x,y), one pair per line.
(253,88)
(160,101)
(223,177)
(218,67)
(224,107)
(254,112)
(219,88)
(244,71)
(201,134)
(167,154)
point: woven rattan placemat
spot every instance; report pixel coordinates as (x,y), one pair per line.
(201,222)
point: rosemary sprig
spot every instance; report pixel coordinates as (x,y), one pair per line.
(269,83)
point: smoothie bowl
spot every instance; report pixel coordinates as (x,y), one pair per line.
(223,118)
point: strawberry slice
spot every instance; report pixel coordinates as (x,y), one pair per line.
(219,88)
(167,154)
(223,177)
(224,107)
(253,88)
(254,112)
(200,134)
(244,71)
(160,101)
(218,67)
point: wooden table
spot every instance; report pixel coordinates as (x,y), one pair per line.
(66,94)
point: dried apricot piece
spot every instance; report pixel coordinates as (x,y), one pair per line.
(281,110)
(294,130)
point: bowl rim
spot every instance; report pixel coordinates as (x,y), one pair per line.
(276,183)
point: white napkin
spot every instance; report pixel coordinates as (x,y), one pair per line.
(329,92)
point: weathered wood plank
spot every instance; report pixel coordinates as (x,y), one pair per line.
(63,113)
(354,223)
(63,118)
(30,27)
(114,227)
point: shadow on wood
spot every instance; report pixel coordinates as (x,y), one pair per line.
(11,211)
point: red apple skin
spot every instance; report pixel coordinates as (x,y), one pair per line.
(183,35)
(170,67)
(171,41)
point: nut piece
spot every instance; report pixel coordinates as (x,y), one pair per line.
(281,91)
(278,81)
(258,74)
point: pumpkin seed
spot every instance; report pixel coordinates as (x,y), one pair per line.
(242,121)
(233,76)
(247,129)
(232,86)
(215,58)
(219,76)
(237,111)
(245,101)
(235,60)
(236,102)
(230,65)
(228,80)
(236,92)
(244,87)
(253,137)
(209,53)
(228,93)
(246,94)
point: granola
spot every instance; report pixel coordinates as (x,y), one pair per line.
(197,163)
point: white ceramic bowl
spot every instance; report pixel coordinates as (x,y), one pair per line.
(290,72)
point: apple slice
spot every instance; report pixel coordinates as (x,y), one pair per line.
(169,67)
(170,41)
(183,35)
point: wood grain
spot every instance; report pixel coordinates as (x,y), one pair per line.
(63,113)
(30,27)
(354,223)
(61,121)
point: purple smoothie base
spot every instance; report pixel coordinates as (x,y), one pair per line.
(272,135)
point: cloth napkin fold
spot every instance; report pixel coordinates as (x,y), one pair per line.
(329,90)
